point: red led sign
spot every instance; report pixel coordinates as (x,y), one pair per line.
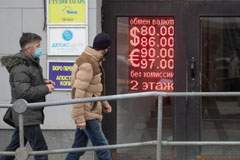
(151,54)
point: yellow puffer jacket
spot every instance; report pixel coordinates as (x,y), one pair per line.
(86,82)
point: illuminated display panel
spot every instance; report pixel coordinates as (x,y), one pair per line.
(151,53)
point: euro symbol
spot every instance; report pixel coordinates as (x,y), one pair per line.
(134,57)
(136,40)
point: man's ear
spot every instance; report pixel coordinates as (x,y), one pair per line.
(29,49)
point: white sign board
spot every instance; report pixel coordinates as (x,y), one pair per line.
(67,40)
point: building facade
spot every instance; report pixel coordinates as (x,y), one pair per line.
(172,46)
(19,16)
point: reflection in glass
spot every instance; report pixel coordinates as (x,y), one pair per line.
(220,50)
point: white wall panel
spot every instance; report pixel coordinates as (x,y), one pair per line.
(99,16)
(11,28)
(5,92)
(21,3)
(92,4)
(92,25)
(33,21)
(59,117)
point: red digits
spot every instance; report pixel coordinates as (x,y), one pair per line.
(144,63)
(152,41)
(152,52)
(170,63)
(163,52)
(163,31)
(163,63)
(163,41)
(171,53)
(135,85)
(170,41)
(144,42)
(144,30)
(152,31)
(144,52)
(171,31)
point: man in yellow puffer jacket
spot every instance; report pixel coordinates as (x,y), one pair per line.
(88,81)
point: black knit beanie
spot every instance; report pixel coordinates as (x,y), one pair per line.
(101,41)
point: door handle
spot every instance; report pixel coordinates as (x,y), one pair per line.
(193,68)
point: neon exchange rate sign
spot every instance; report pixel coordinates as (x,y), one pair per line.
(151,54)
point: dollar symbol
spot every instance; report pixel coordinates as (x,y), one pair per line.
(136,40)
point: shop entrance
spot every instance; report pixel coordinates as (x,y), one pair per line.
(173,46)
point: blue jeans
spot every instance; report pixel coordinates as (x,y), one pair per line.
(93,131)
(34,136)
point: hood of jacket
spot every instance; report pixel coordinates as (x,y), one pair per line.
(20,58)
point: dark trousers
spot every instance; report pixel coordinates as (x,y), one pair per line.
(93,131)
(34,136)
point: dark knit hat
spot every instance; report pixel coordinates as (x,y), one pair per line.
(101,41)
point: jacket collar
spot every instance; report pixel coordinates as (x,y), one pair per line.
(98,55)
(30,60)
(20,58)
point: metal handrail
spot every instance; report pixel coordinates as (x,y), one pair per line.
(133,95)
(6,105)
(115,146)
(20,106)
